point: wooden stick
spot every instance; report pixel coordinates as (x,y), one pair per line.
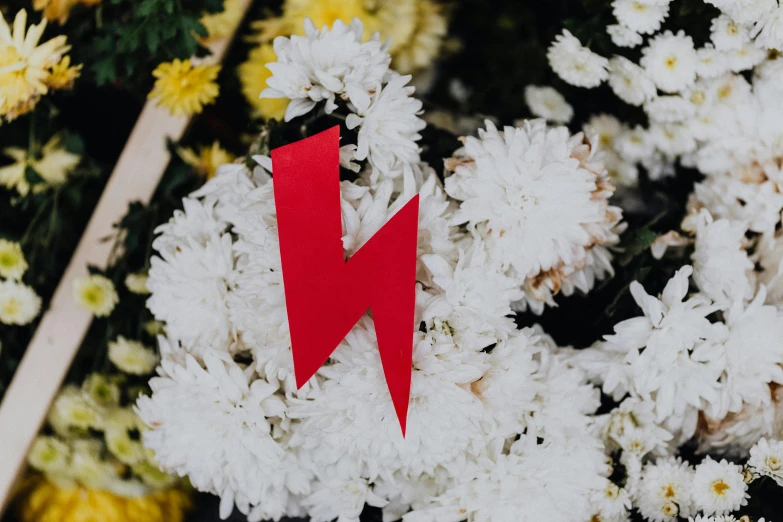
(64,325)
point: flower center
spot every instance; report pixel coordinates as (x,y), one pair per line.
(773,463)
(11,308)
(720,487)
(668,491)
(670,509)
(671,62)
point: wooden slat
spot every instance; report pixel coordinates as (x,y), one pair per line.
(64,325)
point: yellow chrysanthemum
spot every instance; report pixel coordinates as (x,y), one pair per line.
(12,261)
(423,46)
(96,294)
(253,75)
(53,166)
(25,65)
(207,159)
(63,75)
(183,88)
(42,501)
(222,24)
(58,10)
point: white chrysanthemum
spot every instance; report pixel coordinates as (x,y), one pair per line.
(670,60)
(669,109)
(71,410)
(664,492)
(718,487)
(631,421)
(548,103)
(606,127)
(213,424)
(623,36)
(96,294)
(630,82)
(388,127)
(639,16)
(768,31)
(325,64)
(726,34)
(12,261)
(610,503)
(634,144)
(575,63)
(737,433)
(137,283)
(721,267)
(746,58)
(672,139)
(49,454)
(189,288)
(766,459)
(539,203)
(710,62)
(19,304)
(132,356)
(339,493)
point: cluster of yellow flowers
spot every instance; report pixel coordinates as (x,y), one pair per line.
(416,29)
(29,70)
(53,165)
(19,304)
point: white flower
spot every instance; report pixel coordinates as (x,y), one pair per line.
(606,127)
(12,261)
(670,108)
(718,487)
(19,304)
(630,82)
(214,425)
(611,503)
(339,493)
(137,283)
(746,58)
(575,63)
(632,422)
(766,459)
(727,34)
(389,127)
(711,63)
(768,31)
(744,11)
(49,454)
(547,103)
(96,294)
(71,410)
(324,64)
(623,36)
(132,356)
(639,16)
(672,139)
(664,492)
(634,144)
(670,60)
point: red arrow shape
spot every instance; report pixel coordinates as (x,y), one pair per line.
(326,295)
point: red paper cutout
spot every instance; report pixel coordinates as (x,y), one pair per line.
(325,295)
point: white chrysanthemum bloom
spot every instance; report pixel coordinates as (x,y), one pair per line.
(610,503)
(606,127)
(744,11)
(189,290)
(71,410)
(12,261)
(630,82)
(623,36)
(353,417)
(196,221)
(710,62)
(766,459)
(19,304)
(548,103)
(339,493)
(721,267)
(639,16)
(664,492)
(746,58)
(669,354)
(768,31)
(96,294)
(672,139)
(132,356)
(670,60)
(669,109)
(137,283)
(539,202)
(49,454)
(557,480)
(389,127)
(625,423)
(726,34)
(213,424)
(575,63)
(718,488)
(634,144)
(325,64)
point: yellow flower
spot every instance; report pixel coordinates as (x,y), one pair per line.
(222,24)
(101,390)
(25,65)
(423,46)
(53,166)
(132,357)
(12,262)
(253,75)
(183,88)
(119,425)
(137,283)
(96,294)
(207,159)
(71,412)
(58,10)
(49,454)
(42,501)
(63,74)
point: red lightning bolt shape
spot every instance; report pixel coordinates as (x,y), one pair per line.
(326,295)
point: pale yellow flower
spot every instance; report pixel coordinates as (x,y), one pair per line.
(72,412)
(222,24)
(101,390)
(132,356)
(49,454)
(207,159)
(63,75)
(423,46)
(137,283)
(253,75)
(19,304)
(25,65)
(12,261)
(58,10)
(183,88)
(53,166)
(119,423)
(96,294)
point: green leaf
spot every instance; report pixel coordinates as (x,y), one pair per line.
(32,177)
